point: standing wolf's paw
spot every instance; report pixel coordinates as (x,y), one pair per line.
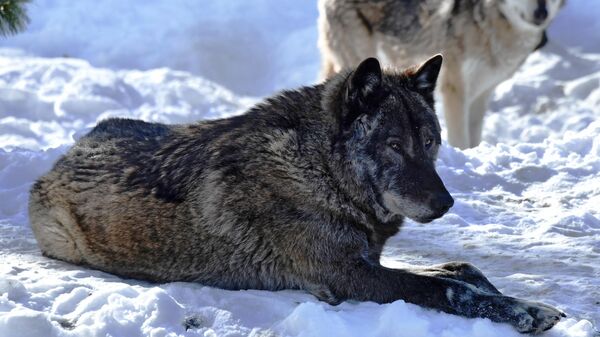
(534,317)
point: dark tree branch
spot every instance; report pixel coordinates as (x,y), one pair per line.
(13,16)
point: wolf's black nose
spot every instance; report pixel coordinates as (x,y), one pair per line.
(541,13)
(442,202)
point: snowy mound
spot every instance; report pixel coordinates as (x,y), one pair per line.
(527,199)
(44,102)
(251,47)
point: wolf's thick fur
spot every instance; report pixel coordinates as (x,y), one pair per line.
(483,43)
(301,192)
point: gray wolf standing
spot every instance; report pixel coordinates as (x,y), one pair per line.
(301,192)
(483,43)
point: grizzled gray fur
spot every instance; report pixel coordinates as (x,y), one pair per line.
(301,192)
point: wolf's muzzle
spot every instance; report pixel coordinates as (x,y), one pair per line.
(541,13)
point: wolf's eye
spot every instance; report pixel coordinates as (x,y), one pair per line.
(428,143)
(395,146)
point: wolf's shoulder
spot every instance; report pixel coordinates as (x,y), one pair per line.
(290,108)
(128,128)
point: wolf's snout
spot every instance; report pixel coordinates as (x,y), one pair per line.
(541,13)
(442,202)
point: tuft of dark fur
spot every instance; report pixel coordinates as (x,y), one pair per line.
(300,192)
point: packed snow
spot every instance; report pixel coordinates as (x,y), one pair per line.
(527,199)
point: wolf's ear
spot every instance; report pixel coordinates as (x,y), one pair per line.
(424,78)
(364,83)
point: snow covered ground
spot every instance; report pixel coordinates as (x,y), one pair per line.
(526,209)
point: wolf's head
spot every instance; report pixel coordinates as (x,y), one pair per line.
(389,137)
(530,14)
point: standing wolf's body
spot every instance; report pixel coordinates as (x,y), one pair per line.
(299,193)
(483,43)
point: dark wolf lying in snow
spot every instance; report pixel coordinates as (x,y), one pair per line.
(301,192)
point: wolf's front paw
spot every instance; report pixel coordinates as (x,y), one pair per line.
(534,317)
(466,272)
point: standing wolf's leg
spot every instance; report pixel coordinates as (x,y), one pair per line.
(453,91)
(476,112)
(360,280)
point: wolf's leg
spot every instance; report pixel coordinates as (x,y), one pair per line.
(476,112)
(453,91)
(461,271)
(362,281)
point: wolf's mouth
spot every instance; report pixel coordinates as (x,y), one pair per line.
(393,205)
(424,220)
(429,219)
